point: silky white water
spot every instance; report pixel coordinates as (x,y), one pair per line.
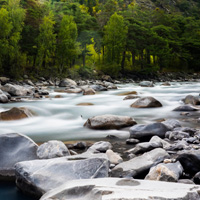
(62,119)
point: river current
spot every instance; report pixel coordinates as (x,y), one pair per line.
(62,119)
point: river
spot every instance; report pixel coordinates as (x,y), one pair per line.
(62,119)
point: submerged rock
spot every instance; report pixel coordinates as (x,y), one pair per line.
(52,149)
(131,97)
(89,91)
(189,99)
(146,84)
(109,122)
(76,90)
(122,189)
(85,104)
(40,176)
(186,108)
(128,93)
(141,164)
(146,102)
(14,148)
(15,114)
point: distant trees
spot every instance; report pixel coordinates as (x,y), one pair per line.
(55,38)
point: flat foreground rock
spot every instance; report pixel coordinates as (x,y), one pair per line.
(122,189)
(14,148)
(39,176)
(109,122)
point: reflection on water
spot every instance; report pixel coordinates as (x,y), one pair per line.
(63,119)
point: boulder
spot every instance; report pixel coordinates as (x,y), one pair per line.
(186,108)
(127,93)
(196,178)
(98,88)
(142,131)
(18,90)
(40,176)
(16,114)
(146,84)
(166,84)
(4,80)
(52,149)
(100,146)
(80,145)
(144,147)
(190,160)
(3,97)
(131,97)
(122,189)
(67,82)
(113,157)
(146,102)
(76,90)
(176,135)
(106,78)
(156,139)
(172,123)
(88,91)
(85,104)
(14,147)
(169,172)
(132,141)
(190,99)
(140,165)
(109,122)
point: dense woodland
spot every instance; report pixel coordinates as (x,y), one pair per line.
(82,38)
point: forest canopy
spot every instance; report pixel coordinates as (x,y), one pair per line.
(81,38)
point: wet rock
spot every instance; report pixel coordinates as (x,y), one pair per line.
(127,93)
(17,90)
(176,135)
(146,84)
(106,78)
(131,97)
(132,141)
(146,102)
(185,181)
(4,80)
(169,172)
(121,189)
(166,84)
(98,88)
(178,145)
(190,160)
(186,108)
(113,157)
(109,122)
(14,147)
(88,91)
(76,90)
(157,139)
(172,123)
(67,82)
(144,147)
(52,149)
(196,178)
(189,99)
(16,114)
(43,92)
(141,164)
(100,146)
(141,131)
(109,85)
(85,104)
(40,176)
(3,97)
(80,145)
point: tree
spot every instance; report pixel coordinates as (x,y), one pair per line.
(67,48)
(46,44)
(115,38)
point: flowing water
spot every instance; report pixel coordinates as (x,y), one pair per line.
(62,119)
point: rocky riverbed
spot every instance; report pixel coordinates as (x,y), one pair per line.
(157,158)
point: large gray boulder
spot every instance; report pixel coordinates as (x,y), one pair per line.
(52,149)
(146,102)
(146,84)
(169,172)
(190,99)
(109,122)
(15,147)
(100,146)
(67,82)
(172,123)
(142,131)
(16,114)
(3,97)
(40,176)
(122,189)
(140,164)
(18,90)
